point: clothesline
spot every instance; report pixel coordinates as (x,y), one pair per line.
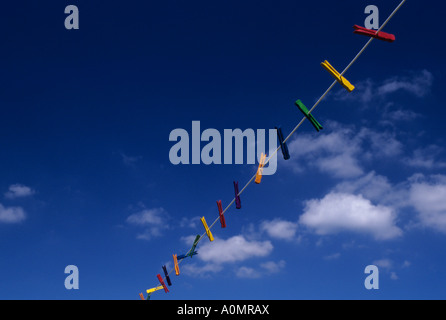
(301,122)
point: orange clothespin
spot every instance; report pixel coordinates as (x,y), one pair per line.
(175,262)
(260,169)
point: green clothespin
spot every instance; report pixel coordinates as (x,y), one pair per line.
(192,250)
(309,116)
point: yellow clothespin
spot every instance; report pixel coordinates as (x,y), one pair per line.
(208,231)
(150,291)
(260,169)
(345,83)
(175,262)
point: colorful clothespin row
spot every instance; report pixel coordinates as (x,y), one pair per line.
(260,169)
(372,33)
(238,203)
(283,145)
(344,82)
(222,216)
(175,262)
(309,116)
(208,231)
(166,275)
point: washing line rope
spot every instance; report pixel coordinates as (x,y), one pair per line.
(302,121)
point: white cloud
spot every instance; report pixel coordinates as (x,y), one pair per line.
(247,272)
(328,152)
(339,212)
(129,160)
(393,276)
(402,115)
(383,263)
(426,158)
(428,198)
(280,229)
(418,84)
(368,91)
(333,256)
(266,268)
(153,221)
(376,188)
(387,265)
(371,186)
(19,191)
(202,271)
(381,143)
(342,151)
(406,264)
(271,267)
(234,249)
(11,214)
(147,217)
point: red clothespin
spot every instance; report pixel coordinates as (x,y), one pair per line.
(220,212)
(162,283)
(372,33)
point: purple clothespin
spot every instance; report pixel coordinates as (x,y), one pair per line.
(238,203)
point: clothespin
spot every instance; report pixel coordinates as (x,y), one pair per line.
(344,82)
(238,203)
(208,231)
(309,116)
(150,291)
(166,275)
(194,245)
(183,256)
(372,33)
(260,169)
(141,296)
(175,262)
(283,145)
(192,251)
(222,216)
(162,283)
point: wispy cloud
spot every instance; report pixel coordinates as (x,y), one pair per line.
(427,195)
(280,229)
(153,221)
(130,161)
(417,83)
(265,269)
(426,158)
(18,191)
(377,189)
(342,150)
(11,214)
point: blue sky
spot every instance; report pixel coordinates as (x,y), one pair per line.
(86,178)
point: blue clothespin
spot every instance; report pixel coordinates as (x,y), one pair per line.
(283,145)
